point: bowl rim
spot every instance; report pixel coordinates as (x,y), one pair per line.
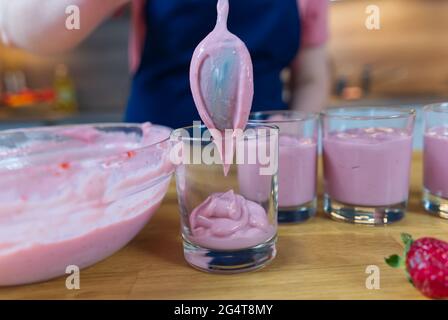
(94,159)
(297,116)
(396,113)
(176,134)
(436,107)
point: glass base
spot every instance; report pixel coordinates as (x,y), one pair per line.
(435,204)
(381,215)
(297,214)
(230,261)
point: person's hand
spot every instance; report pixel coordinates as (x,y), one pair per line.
(41,26)
(310,80)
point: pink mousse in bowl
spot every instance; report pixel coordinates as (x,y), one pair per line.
(74,195)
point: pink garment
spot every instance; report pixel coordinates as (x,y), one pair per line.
(314,14)
(313,18)
(137,36)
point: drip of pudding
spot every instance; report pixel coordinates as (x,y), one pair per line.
(221,80)
(226,221)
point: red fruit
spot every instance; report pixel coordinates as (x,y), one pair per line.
(426,261)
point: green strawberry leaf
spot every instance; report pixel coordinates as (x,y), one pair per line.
(407,240)
(395,261)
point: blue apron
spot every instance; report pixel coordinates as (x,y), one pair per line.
(160,91)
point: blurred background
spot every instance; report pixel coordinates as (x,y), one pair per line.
(403,63)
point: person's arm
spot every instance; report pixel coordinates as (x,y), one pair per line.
(311,85)
(40,25)
(309,72)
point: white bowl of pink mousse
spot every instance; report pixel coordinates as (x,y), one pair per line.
(74,195)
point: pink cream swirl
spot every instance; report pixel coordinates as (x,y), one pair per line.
(229,221)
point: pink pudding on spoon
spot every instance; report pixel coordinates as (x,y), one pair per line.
(221,80)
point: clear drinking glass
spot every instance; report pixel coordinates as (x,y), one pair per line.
(297,162)
(227,228)
(435,159)
(367,155)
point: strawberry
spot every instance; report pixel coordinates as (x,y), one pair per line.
(426,262)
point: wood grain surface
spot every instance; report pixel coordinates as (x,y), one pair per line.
(320,259)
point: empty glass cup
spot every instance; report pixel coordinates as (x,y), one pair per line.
(226,226)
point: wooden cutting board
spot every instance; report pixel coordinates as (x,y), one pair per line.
(320,259)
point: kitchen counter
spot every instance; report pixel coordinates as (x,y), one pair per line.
(320,259)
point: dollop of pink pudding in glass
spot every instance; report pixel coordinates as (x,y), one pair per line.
(228,221)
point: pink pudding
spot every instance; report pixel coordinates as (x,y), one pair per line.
(253,184)
(436,161)
(227,221)
(297,169)
(367,167)
(221,80)
(78,197)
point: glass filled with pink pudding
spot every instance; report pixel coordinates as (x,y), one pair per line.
(224,230)
(74,195)
(297,164)
(435,159)
(367,155)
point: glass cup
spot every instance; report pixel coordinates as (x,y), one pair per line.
(367,155)
(297,162)
(225,227)
(435,159)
